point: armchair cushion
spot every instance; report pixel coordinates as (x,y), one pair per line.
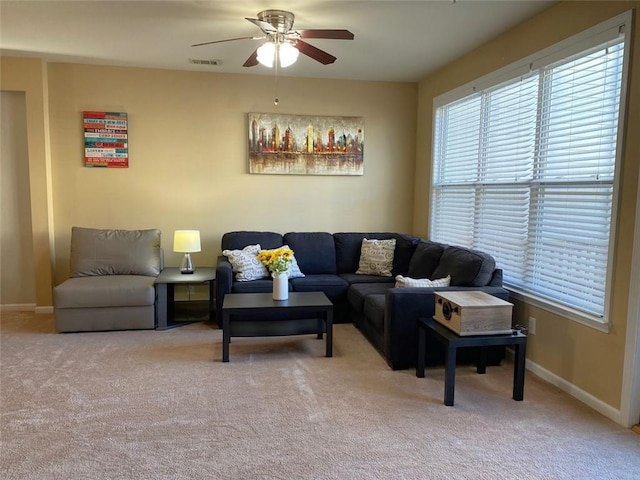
(105,291)
(114,252)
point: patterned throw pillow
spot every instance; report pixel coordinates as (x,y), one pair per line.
(376,257)
(422,282)
(245,263)
(294,270)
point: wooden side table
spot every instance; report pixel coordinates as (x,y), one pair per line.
(165,283)
(315,304)
(429,328)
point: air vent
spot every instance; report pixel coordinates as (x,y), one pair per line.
(205,61)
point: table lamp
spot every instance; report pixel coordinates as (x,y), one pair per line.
(186,241)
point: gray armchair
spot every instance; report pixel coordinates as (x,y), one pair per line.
(111,284)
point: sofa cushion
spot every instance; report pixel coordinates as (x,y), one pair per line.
(264,285)
(408,282)
(245,263)
(349,245)
(114,252)
(240,239)
(333,286)
(374,311)
(105,291)
(358,292)
(376,257)
(352,278)
(425,259)
(468,268)
(314,251)
(496,278)
(405,248)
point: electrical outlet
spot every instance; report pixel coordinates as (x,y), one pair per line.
(532,325)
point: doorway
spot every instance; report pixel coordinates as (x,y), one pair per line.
(17,283)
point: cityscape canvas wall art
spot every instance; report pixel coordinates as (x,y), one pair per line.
(305,145)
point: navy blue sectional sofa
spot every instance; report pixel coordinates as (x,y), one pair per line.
(386,315)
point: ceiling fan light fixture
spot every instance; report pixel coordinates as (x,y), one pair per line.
(266,53)
(283,43)
(288,54)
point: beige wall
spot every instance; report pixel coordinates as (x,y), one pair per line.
(582,356)
(188,156)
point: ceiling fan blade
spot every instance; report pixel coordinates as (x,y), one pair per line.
(227,40)
(332,34)
(252,61)
(315,53)
(264,26)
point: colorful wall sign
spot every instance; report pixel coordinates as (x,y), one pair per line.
(105,139)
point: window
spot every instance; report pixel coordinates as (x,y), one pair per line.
(525,169)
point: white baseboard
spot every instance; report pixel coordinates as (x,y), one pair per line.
(576,392)
(25,307)
(585,397)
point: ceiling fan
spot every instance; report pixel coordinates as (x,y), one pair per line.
(283,42)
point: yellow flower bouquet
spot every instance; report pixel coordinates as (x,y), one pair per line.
(278,260)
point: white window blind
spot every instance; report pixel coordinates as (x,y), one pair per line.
(525,170)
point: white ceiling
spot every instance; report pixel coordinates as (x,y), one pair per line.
(394,40)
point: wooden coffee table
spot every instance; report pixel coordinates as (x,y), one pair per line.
(236,307)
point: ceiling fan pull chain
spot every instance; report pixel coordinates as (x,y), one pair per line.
(276,61)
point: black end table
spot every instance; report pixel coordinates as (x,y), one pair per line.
(165,283)
(235,305)
(429,328)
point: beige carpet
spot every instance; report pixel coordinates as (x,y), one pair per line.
(161,405)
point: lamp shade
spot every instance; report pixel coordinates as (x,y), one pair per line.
(186,241)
